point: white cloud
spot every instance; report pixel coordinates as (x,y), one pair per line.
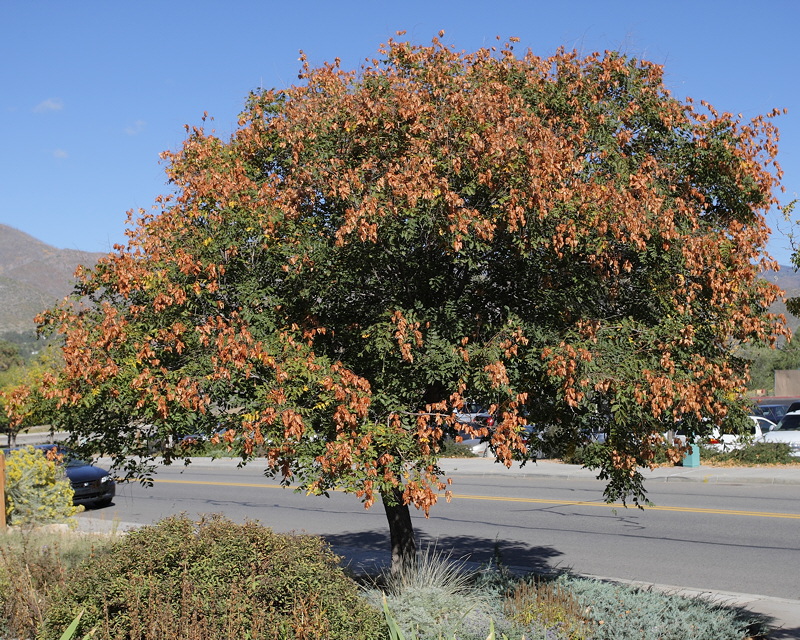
(51,104)
(135,128)
(60,154)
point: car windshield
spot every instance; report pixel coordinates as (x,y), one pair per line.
(75,462)
(789,422)
(772,411)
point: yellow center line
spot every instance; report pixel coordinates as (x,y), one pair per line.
(563,503)
(619,505)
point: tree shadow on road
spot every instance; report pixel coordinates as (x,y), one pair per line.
(368,550)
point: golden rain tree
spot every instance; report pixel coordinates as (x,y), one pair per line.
(559,238)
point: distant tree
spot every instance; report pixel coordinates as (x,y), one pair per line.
(793,304)
(16,413)
(9,356)
(764,362)
(558,238)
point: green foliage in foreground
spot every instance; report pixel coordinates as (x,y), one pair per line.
(219,579)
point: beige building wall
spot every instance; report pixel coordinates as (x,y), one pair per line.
(787,382)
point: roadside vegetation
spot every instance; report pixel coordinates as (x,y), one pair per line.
(754,454)
(215,578)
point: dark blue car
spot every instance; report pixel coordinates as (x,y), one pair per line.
(92,486)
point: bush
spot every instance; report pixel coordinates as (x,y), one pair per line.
(453,449)
(757,453)
(37,489)
(214,579)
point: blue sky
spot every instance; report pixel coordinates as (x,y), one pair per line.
(91,92)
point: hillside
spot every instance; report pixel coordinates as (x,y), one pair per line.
(33,275)
(788,280)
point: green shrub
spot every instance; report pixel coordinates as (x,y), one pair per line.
(453,449)
(37,489)
(214,579)
(757,453)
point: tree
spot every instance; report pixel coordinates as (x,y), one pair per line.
(9,356)
(557,237)
(17,407)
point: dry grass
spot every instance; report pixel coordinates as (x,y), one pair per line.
(33,563)
(551,606)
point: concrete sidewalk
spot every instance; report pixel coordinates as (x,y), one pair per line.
(555,469)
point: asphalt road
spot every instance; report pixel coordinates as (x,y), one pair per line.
(740,538)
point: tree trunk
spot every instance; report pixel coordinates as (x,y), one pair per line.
(404,546)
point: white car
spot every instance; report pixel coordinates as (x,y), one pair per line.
(787,431)
(730,441)
(474,415)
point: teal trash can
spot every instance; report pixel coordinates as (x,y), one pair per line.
(692,459)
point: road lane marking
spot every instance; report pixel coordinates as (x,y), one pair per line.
(566,503)
(619,505)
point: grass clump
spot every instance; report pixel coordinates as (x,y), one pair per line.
(214,579)
(549,604)
(436,598)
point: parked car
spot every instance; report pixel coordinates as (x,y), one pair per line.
(788,431)
(774,408)
(730,441)
(92,486)
(713,438)
(474,415)
(472,412)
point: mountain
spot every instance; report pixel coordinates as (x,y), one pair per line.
(33,276)
(788,280)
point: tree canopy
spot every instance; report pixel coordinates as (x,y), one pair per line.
(558,238)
